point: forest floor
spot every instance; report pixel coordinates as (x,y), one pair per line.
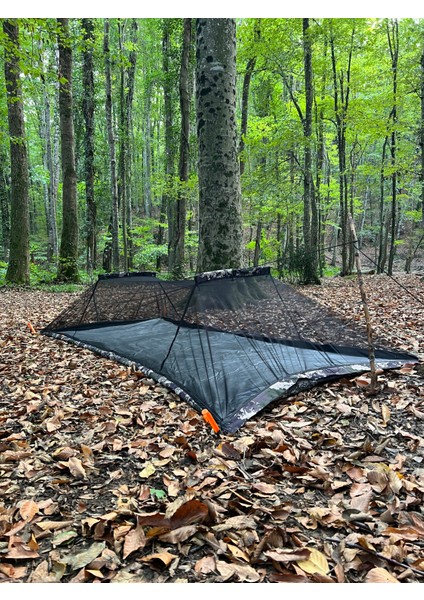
(106,476)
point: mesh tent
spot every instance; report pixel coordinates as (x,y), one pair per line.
(229,341)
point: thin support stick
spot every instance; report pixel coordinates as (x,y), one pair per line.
(371,347)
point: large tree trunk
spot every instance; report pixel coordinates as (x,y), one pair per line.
(88,111)
(220,221)
(68,253)
(18,268)
(111,253)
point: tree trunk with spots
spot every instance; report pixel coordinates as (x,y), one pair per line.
(68,253)
(18,268)
(220,221)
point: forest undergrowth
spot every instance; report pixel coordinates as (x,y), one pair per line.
(105,476)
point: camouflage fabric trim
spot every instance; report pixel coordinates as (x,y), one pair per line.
(127,274)
(294,385)
(231,274)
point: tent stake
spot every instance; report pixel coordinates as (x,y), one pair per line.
(371,346)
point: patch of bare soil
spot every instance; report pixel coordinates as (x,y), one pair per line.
(107,477)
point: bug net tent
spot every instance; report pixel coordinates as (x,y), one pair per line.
(230,341)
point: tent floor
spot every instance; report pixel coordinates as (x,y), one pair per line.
(231,375)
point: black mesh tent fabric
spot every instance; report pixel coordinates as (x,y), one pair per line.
(230,341)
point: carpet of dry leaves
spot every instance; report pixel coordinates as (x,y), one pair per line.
(107,477)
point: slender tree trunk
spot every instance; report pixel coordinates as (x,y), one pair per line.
(68,253)
(123,142)
(4,206)
(310,223)
(147,154)
(88,111)
(341,82)
(382,247)
(113,250)
(258,240)
(220,226)
(168,205)
(183,171)
(129,98)
(422,135)
(393,40)
(245,109)
(18,268)
(50,188)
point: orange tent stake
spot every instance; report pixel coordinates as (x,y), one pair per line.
(31,328)
(210,420)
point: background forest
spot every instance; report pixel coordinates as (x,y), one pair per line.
(330,122)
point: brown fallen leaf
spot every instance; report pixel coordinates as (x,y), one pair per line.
(134,540)
(76,468)
(380,575)
(205,565)
(243,573)
(193,511)
(164,557)
(316,563)
(12,571)
(28,510)
(21,551)
(287,555)
(53,525)
(265,488)
(179,535)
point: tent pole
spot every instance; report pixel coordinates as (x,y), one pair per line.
(371,346)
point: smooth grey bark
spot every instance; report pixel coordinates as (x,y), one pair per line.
(18,267)
(111,254)
(220,221)
(88,108)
